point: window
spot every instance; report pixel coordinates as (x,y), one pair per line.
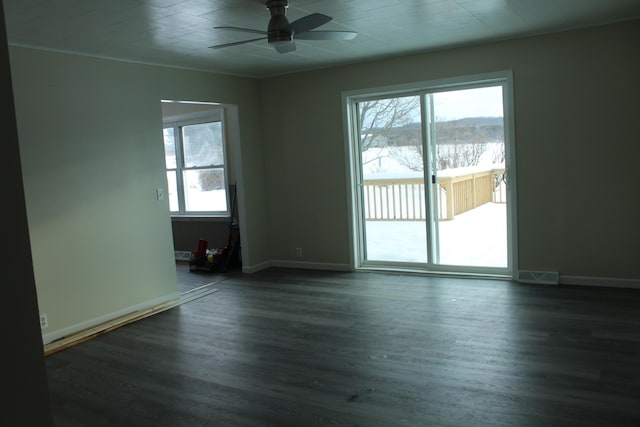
(195,158)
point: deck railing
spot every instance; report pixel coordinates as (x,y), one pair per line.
(459,190)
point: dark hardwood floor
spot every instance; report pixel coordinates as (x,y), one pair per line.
(303,348)
(190,280)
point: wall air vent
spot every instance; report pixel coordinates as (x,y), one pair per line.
(541,277)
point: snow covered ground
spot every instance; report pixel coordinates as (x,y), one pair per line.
(475,238)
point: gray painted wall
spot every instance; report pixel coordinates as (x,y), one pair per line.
(576,112)
(92,156)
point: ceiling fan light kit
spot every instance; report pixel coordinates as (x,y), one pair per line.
(281,33)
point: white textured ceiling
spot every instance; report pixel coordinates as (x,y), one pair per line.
(179,32)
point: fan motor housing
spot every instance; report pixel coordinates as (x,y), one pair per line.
(279,29)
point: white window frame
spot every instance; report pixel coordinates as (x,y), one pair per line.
(177,123)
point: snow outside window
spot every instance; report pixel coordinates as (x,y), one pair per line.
(195,161)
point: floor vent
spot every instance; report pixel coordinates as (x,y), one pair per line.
(183,255)
(541,277)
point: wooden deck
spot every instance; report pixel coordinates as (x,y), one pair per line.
(303,348)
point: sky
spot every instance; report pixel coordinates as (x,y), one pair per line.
(480,102)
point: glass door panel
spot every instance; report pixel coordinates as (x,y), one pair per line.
(470,222)
(392,197)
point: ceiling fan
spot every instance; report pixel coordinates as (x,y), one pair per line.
(281,34)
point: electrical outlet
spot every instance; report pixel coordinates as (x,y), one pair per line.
(44,321)
(299,252)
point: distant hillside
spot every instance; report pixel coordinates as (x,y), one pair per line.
(460,131)
(476,121)
(470,130)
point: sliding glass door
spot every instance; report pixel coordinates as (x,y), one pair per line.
(430,186)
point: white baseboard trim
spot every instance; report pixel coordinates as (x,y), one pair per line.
(562,279)
(311,265)
(94,325)
(296,264)
(255,268)
(609,282)
(91,332)
(538,277)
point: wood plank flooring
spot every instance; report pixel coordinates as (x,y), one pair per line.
(189,280)
(303,348)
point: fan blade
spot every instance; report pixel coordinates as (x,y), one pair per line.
(285,47)
(326,35)
(220,46)
(244,30)
(309,22)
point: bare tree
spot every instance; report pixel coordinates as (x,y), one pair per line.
(378,118)
(459,145)
(456,146)
(389,126)
(408,147)
(499,154)
(459,155)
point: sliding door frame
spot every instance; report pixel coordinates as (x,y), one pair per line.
(354,176)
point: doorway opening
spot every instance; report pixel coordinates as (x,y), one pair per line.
(201,158)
